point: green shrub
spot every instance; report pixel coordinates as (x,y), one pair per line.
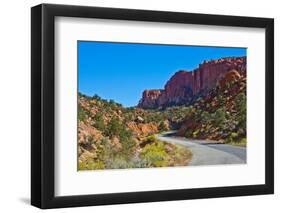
(234,136)
(188,133)
(238,142)
(91,165)
(151,139)
(206,117)
(82,115)
(116,128)
(162,126)
(195,133)
(243,142)
(96,97)
(99,122)
(241,103)
(155,155)
(118,162)
(220,117)
(128,147)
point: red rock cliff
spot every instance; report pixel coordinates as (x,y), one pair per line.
(150,98)
(184,86)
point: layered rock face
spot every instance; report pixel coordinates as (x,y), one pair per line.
(185,86)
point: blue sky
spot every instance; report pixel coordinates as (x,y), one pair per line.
(121,71)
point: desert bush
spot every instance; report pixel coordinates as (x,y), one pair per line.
(90,165)
(206,117)
(243,141)
(96,97)
(128,117)
(220,117)
(162,126)
(118,162)
(155,155)
(238,141)
(114,127)
(148,140)
(234,136)
(99,122)
(188,133)
(82,115)
(113,105)
(195,133)
(128,147)
(241,103)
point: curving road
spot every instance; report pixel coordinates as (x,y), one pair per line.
(206,153)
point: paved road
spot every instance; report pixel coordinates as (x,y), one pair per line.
(208,153)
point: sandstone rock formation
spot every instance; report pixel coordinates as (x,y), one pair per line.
(185,86)
(232,75)
(143,129)
(150,98)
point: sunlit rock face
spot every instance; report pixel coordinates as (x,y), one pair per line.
(184,86)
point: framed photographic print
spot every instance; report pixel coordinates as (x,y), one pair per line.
(139,106)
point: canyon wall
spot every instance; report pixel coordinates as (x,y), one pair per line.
(185,86)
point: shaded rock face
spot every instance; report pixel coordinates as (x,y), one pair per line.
(184,86)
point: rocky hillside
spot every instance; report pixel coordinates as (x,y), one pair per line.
(221,114)
(111,136)
(186,86)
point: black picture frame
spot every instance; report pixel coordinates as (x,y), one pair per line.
(43,102)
